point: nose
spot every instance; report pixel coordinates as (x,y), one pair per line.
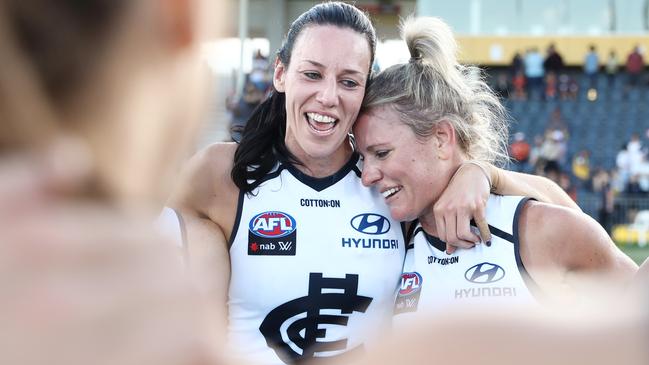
(371,175)
(328,95)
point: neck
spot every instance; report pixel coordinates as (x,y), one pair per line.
(324,166)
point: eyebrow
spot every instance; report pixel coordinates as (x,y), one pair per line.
(346,71)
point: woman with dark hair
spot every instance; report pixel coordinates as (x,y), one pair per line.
(309,258)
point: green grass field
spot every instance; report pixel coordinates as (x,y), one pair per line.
(635,252)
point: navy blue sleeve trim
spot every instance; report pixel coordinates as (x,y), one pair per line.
(183,237)
(496,232)
(531,284)
(235,228)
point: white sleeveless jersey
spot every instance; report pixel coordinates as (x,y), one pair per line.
(315,267)
(433,282)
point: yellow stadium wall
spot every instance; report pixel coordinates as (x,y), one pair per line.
(482,49)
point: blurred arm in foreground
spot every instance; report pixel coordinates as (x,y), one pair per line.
(99,101)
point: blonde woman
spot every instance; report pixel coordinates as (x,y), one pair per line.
(421,122)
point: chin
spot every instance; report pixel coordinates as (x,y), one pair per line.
(401,215)
(322,149)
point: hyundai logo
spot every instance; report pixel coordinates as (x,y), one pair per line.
(370,223)
(484,273)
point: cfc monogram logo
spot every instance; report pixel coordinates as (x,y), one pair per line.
(304,333)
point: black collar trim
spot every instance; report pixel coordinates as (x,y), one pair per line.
(322,183)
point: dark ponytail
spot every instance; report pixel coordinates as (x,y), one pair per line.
(262,142)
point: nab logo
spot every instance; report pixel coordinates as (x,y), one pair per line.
(484,273)
(370,223)
(272,224)
(410,283)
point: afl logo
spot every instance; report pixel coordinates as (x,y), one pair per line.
(484,273)
(410,283)
(272,224)
(370,223)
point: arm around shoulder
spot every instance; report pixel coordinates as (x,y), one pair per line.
(507,182)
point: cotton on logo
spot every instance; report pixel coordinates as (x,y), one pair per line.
(410,283)
(272,224)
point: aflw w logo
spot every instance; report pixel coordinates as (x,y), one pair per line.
(285,246)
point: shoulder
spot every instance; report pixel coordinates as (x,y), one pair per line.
(205,183)
(566,239)
(550,227)
(215,158)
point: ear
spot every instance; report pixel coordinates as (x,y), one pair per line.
(177,21)
(445,139)
(279,75)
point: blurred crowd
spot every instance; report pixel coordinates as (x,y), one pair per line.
(547,156)
(257,85)
(532,76)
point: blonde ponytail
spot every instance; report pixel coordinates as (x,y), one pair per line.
(434,86)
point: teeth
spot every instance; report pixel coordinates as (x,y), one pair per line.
(320,118)
(390,192)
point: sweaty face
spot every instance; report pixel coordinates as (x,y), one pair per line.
(404,169)
(324,86)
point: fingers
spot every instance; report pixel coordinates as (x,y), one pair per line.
(453,227)
(464,232)
(453,236)
(480,218)
(450,249)
(485,234)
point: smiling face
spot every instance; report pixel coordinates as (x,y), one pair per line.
(324,86)
(410,173)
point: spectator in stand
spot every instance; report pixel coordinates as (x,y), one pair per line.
(534,73)
(260,75)
(602,185)
(553,61)
(591,68)
(551,86)
(502,87)
(519,150)
(616,182)
(633,188)
(568,87)
(518,65)
(612,66)
(556,122)
(636,154)
(243,108)
(535,153)
(623,166)
(634,68)
(553,65)
(519,82)
(566,184)
(553,152)
(642,171)
(581,168)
